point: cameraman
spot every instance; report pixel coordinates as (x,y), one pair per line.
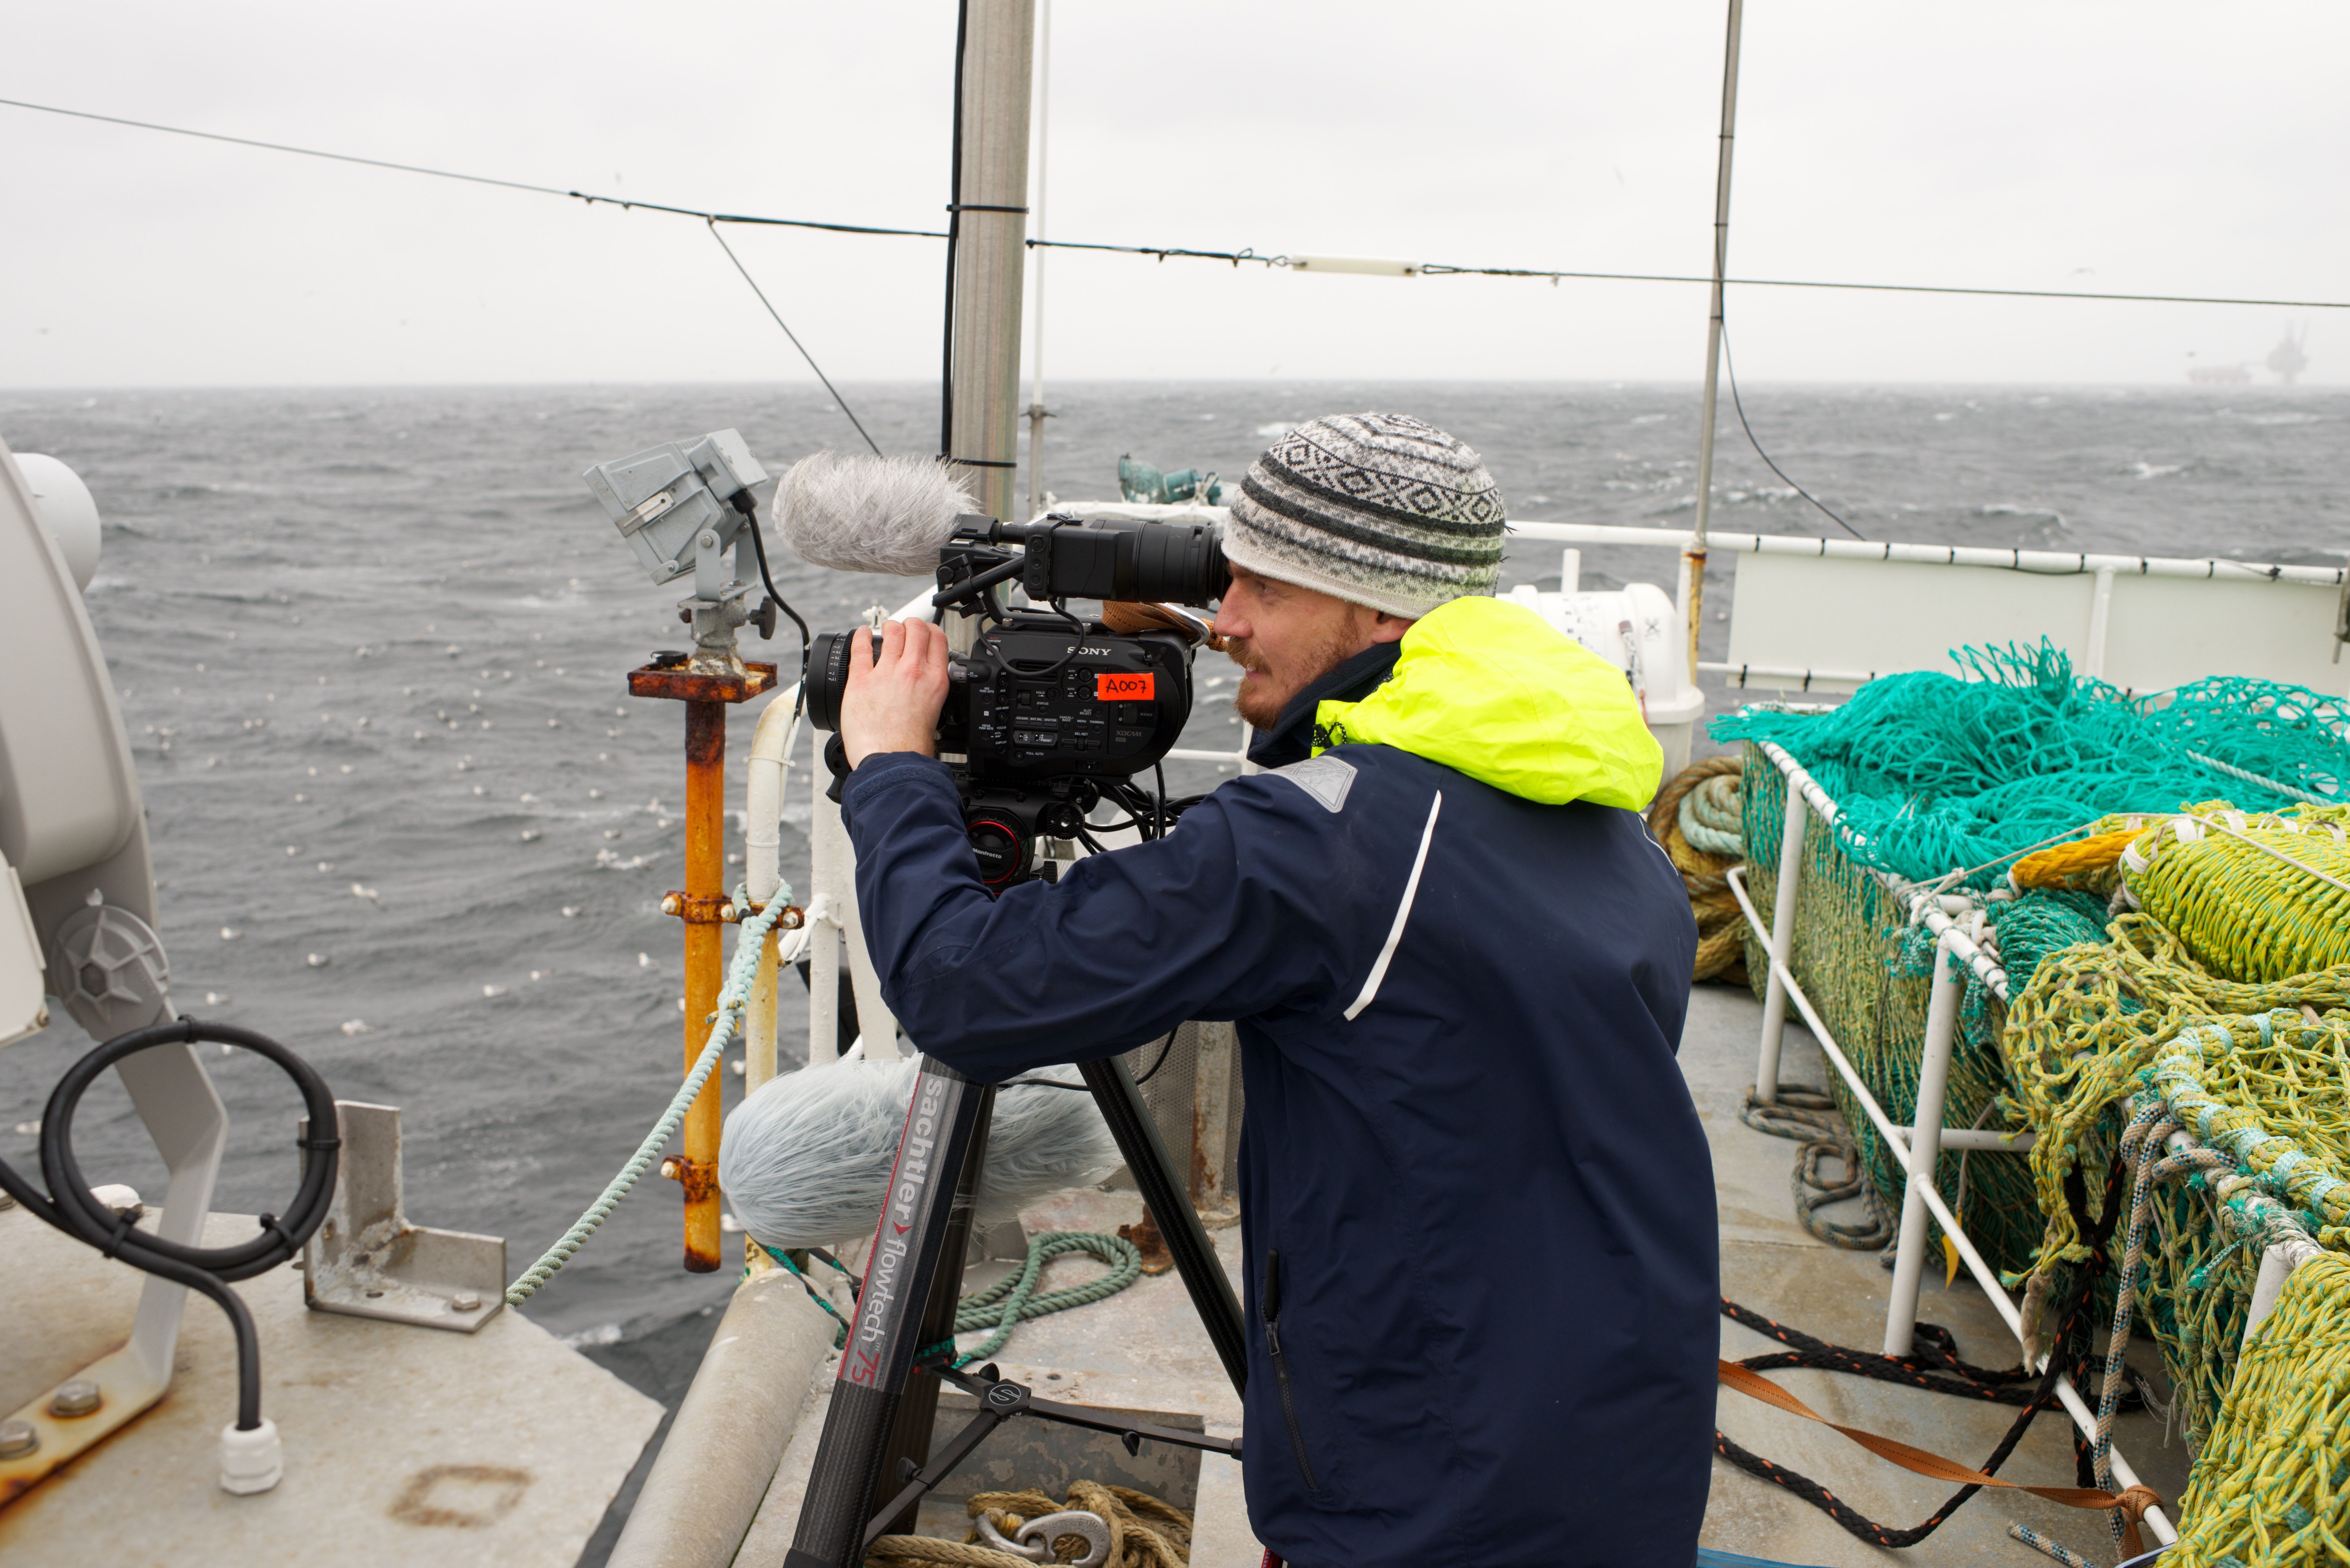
(1478,1204)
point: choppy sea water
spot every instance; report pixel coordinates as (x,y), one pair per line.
(371,647)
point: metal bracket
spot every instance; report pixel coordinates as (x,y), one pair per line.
(368,1261)
(174,1097)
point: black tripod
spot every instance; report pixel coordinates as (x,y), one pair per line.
(882,1403)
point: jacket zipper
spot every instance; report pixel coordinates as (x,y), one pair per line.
(1268,1308)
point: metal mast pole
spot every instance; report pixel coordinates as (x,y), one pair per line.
(990,248)
(1693,558)
(982,434)
(1037,412)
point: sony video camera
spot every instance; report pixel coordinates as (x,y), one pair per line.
(1050,713)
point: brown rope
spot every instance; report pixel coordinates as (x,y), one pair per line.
(2132,1502)
(1721,929)
(1144,1533)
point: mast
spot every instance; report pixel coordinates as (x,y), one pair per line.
(1036,410)
(1693,558)
(990,226)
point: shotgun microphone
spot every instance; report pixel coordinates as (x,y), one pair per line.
(882,515)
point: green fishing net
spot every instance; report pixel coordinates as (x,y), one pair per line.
(1937,772)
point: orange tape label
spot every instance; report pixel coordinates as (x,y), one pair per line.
(1126,687)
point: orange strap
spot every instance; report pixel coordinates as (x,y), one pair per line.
(2132,1503)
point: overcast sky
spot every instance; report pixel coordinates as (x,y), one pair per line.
(2143,147)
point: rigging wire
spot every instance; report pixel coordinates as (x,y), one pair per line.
(1162,253)
(804,354)
(1731,365)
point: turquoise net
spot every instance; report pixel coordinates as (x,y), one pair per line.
(1937,773)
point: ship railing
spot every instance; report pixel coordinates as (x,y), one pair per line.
(1917,1149)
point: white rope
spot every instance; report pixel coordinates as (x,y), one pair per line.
(732,1002)
(2264,781)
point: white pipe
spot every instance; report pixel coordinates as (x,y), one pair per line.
(2101,605)
(2042,563)
(1782,677)
(731,1430)
(771,746)
(1925,1148)
(2046,563)
(1779,939)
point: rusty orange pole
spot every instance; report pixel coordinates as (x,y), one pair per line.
(705,889)
(703,906)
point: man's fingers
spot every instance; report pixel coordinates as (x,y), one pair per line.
(860,659)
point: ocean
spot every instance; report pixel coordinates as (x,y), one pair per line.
(371,647)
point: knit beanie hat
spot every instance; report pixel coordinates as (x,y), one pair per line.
(1378,509)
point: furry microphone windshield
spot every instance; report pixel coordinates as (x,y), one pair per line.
(884,514)
(805,1160)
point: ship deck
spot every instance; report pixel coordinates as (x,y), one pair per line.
(1144,1350)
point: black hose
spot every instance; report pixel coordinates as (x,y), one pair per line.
(71,1207)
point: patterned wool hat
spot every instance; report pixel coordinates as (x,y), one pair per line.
(1379,508)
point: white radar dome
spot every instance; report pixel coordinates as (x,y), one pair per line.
(66,511)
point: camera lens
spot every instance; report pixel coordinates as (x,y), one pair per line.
(1180,563)
(827,676)
(1120,559)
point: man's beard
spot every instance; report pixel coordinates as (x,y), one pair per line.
(1260,710)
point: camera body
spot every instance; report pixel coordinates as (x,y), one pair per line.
(1049,712)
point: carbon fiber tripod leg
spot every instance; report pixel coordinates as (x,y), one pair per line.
(1170,1205)
(946,1113)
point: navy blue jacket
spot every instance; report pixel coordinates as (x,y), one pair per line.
(1468,1150)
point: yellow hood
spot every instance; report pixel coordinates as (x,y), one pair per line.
(1489,687)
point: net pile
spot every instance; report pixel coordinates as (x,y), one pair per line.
(2179,978)
(1938,774)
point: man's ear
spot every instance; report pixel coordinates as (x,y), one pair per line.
(1386,628)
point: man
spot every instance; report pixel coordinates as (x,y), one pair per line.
(1478,1205)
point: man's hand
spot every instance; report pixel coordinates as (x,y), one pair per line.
(891,703)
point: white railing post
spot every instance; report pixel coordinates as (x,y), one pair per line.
(1778,942)
(1925,1147)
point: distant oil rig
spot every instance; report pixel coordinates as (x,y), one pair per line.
(2287,360)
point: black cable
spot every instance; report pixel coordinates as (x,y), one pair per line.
(1165,1047)
(72,1208)
(793,337)
(1727,364)
(1158,814)
(1430,269)
(954,232)
(750,510)
(1077,642)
